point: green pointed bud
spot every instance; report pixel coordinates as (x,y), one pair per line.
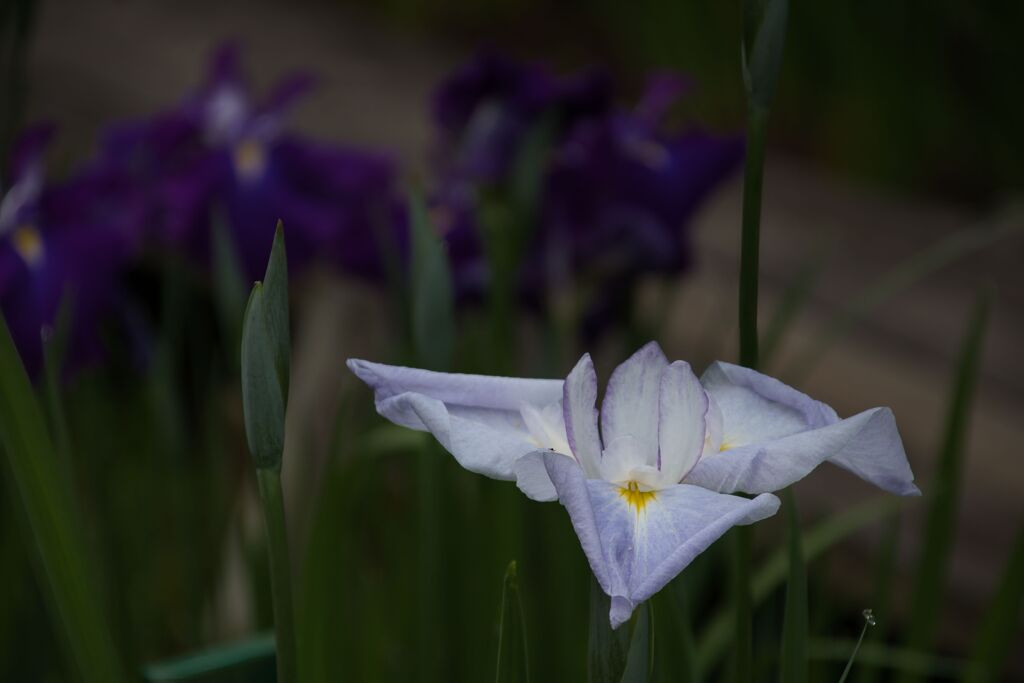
(764,34)
(265,364)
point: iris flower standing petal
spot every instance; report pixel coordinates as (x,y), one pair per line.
(773,435)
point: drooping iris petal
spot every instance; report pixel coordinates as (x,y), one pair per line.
(682,410)
(477,419)
(773,436)
(636,542)
(630,407)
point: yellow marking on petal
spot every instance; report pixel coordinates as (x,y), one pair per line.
(29,244)
(727,445)
(636,498)
(250,158)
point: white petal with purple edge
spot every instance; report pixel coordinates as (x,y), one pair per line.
(682,411)
(630,406)
(579,403)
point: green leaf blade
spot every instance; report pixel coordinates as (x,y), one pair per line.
(793,667)
(513,657)
(64,569)
(943,495)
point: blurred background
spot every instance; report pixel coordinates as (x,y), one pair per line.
(891,199)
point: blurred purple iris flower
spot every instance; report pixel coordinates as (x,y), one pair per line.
(64,241)
(224,156)
(618,187)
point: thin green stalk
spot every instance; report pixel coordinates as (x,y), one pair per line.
(743,635)
(753,175)
(793,667)
(869,620)
(280,573)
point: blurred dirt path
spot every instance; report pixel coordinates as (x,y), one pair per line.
(98,61)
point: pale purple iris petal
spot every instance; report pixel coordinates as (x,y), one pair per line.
(682,423)
(485,441)
(760,406)
(630,407)
(476,418)
(579,403)
(502,393)
(774,435)
(867,444)
(634,553)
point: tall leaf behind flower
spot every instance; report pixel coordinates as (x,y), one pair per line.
(944,492)
(64,569)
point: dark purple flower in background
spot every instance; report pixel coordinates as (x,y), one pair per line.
(64,241)
(223,156)
(618,186)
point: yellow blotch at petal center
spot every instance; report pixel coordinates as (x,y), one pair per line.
(250,158)
(27,241)
(636,498)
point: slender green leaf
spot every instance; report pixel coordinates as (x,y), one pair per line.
(607,650)
(251,661)
(793,667)
(922,264)
(943,493)
(280,574)
(433,309)
(228,287)
(513,657)
(677,655)
(742,661)
(1000,628)
(275,308)
(63,561)
(262,400)
(640,660)
(718,630)
(764,35)
(794,298)
(55,344)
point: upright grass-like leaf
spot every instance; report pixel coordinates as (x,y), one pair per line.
(1001,625)
(793,667)
(640,660)
(741,665)
(764,31)
(433,308)
(944,491)
(64,570)
(228,285)
(243,661)
(937,256)
(714,642)
(513,656)
(265,352)
(677,655)
(55,344)
(433,342)
(607,650)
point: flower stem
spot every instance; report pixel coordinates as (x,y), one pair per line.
(757,125)
(280,572)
